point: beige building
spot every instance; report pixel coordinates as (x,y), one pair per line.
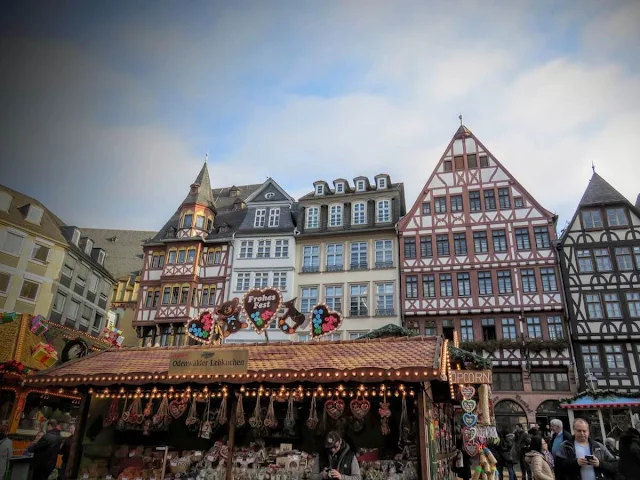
(347,253)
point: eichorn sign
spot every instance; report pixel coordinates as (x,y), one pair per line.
(209,362)
(471,377)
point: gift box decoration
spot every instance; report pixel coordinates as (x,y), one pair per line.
(8,317)
(39,325)
(45,354)
(113,336)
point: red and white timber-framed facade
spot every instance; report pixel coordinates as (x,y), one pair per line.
(477,258)
(187,265)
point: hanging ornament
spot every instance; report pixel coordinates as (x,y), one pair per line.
(121,423)
(296,318)
(240,420)
(385,414)
(289,420)
(360,406)
(270,420)
(112,416)
(404,423)
(256,419)
(312,421)
(178,407)
(134,413)
(334,408)
(193,422)
(205,426)
(148,409)
(146,427)
(162,417)
(222,417)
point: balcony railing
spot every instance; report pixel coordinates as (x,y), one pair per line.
(335,268)
(362,312)
(385,312)
(311,269)
(384,264)
(359,266)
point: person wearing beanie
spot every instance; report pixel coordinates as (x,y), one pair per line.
(336,461)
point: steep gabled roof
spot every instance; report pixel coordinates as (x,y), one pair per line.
(600,192)
(203,193)
(223,200)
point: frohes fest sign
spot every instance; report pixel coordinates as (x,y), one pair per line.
(471,377)
(209,362)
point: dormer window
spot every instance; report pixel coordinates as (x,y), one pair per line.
(360,185)
(382,182)
(260,217)
(340,187)
(101,256)
(34,215)
(234,192)
(200,222)
(5,201)
(75,238)
(187,221)
(88,247)
(320,189)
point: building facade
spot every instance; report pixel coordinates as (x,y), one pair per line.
(264,252)
(477,259)
(347,255)
(600,261)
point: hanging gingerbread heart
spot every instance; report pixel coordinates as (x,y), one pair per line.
(324,321)
(467,391)
(229,317)
(334,408)
(360,407)
(178,407)
(202,329)
(471,448)
(292,318)
(384,410)
(468,405)
(469,419)
(261,306)
(469,434)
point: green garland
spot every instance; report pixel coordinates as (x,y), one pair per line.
(390,330)
(600,394)
(465,356)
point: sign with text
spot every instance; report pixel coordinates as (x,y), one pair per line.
(471,377)
(209,362)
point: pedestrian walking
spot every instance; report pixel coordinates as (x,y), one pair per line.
(45,452)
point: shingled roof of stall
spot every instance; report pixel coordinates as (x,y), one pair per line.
(401,358)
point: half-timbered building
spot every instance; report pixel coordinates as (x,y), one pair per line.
(600,261)
(477,261)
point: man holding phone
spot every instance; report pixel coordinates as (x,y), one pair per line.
(338,461)
(581,458)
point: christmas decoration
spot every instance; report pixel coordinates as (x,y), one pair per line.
(324,321)
(261,306)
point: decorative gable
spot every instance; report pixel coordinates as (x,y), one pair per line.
(269,193)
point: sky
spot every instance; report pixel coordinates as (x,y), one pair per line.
(108,108)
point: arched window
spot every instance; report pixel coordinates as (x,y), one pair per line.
(508,415)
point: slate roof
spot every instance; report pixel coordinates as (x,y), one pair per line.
(16,215)
(123,247)
(224,201)
(363,360)
(600,192)
(203,195)
(352,193)
(67,231)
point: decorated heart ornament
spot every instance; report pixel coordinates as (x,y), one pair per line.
(177,408)
(360,407)
(261,306)
(467,391)
(469,434)
(324,321)
(481,440)
(384,410)
(292,318)
(468,405)
(334,408)
(470,419)
(202,329)
(471,448)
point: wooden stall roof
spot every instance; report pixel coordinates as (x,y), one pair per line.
(403,359)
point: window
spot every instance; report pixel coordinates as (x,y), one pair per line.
(214,257)
(335,216)
(184,295)
(154,261)
(448,329)
(489,200)
(456,203)
(509,329)
(474,202)
(333,298)
(480,243)
(264,249)
(585,263)
(274,217)
(382,183)
(208,296)
(74,307)
(87,312)
(426,247)
(384,211)
(459,162)
(260,217)
(522,239)
(335,260)
(594,306)
(430,329)
(313,217)
(310,258)
(548,277)
(320,189)
(614,356)
(529,280)
(441,205)
(359,255)
(409,247)
(554,324)
(261,280)
(93,282)
(426,208)
(616,217)
(485,284)
(40,253)
(612,305)
(541,235)
(58,304)
(172,257)
(442,244)
(102,255)
(187,221)
(412,286)
(460,243)
(446,285)
(591,219)
(499,240)
(97,321)
(200,222)
(246,249)
(384,298)
(339,187)
(282,249)
(534,330)
(464,285)
(636,253)
(488,329)
(505,285)
(156,298)
(356,335)
(29,290)
(466,330)
(4,282)
(549,381)
(384,253)
(507,382)
(243,281)
(191,255)
(472,160)
(428,286)
(591,357)
(68,266)
(5,201)
(209,226)
(358,300)
(360,185)
(503,198)
(309,298)
(181,256)
(518,202)
(603,261)
(484,161)
(13,243)
(623,259)
(448,166)
(166,293)
(633,301)
(359,214)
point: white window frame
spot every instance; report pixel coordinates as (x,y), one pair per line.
(243,281)
(101,257)
(385,296)
(261,280)
(260,218)
(340,187)
(72,314)
(274,217)
(264,249)
(17,253)
(313,252)
(361,186)
(359,217)
(246,249)
(88,246)
(281,248)
(26,299)
(33,252)
(340,297)
(335,251)
(5,201)
(306,296)
(335,216)
(386,252)
(34,215)
(94,281)
(382,183)
(75,238)
(9,276)
(381,215)
(279,280)
(320,189)
(312,217)
(56,308)
(356,250)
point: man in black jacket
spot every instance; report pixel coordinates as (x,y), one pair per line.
(45,452)
(629,454)
(338,461)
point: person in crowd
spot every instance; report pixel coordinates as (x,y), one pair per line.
(521,447)
(582,458)
(495,447)
(610,443)
(65,450)
(537,460)
(6,450)
(337,461)
(463,460)
(559,436)
(45,452)
(629,467)
(507,444)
